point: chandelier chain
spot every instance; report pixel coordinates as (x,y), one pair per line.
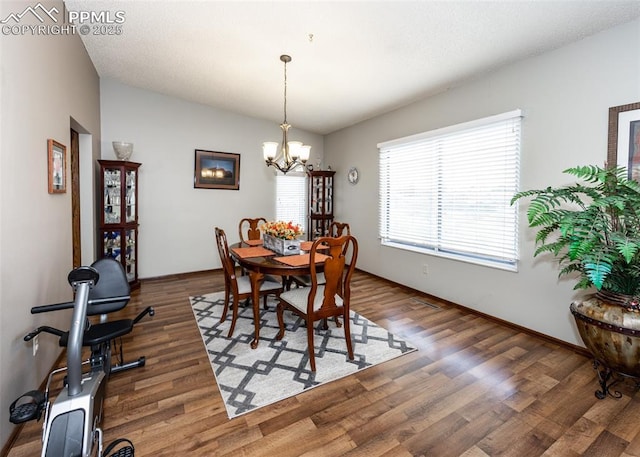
(285,91)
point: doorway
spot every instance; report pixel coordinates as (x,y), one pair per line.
(75,199)
(83,201)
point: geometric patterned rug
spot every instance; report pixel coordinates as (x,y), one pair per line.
(252,378)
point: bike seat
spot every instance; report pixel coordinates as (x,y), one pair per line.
(101,333)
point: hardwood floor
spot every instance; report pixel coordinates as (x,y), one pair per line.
(474,388)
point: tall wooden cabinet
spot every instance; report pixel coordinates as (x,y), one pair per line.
(118,235)
(320,203)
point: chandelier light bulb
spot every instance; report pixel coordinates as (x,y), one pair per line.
(305,152)
(269,150)
(294,149)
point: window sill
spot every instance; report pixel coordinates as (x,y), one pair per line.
(513,267)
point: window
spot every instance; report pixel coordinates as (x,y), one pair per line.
(447,192)
(291,198)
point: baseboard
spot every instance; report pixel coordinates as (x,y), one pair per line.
(178,275)
(572,347)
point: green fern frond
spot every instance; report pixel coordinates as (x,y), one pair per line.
(597,272)
(627,247)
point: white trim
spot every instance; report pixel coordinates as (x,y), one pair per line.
(451,129)
(505,266)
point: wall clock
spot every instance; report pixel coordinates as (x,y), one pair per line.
(352,176)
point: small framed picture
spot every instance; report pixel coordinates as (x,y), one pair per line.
(57,153)
(216,170)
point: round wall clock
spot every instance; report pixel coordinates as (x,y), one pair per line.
(352,176)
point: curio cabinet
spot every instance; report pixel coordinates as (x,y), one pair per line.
(118,236)
(320,202)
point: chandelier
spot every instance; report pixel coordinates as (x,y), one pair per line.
(292,153)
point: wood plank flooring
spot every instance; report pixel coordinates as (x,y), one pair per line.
(474,388)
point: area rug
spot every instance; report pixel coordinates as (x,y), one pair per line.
(252,378)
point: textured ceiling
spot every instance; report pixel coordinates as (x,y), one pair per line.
(350,60)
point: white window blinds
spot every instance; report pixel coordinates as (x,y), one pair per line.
(447,192)
(291,198)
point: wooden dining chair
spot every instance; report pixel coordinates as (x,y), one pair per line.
(321,301)
(249,229)
(239,287)
(336,229)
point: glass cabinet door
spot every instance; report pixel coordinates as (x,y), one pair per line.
(112,195)
(130,196)
(120,245)
(112,242)
(320,202)
(130,254)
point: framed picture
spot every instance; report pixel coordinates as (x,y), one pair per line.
(57,167)
(216,170)
(624,138)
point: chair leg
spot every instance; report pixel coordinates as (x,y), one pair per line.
(280,312)
(347,335)
(226,305)
(265,303)
(310,349)
(234,316)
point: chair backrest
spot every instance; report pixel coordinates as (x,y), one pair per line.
(337,272)
(112,283)
(249,229)
(337,229)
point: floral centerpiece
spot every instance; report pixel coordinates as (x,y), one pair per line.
(282,230)
(280,236)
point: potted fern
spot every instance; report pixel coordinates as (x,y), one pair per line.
(593,229)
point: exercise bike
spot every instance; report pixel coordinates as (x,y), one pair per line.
(71,425)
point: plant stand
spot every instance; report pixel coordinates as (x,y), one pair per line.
(609,378)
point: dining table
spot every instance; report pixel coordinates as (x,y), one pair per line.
(259,261)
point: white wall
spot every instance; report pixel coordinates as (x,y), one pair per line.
(176,220)
(565,96)
(46,81)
